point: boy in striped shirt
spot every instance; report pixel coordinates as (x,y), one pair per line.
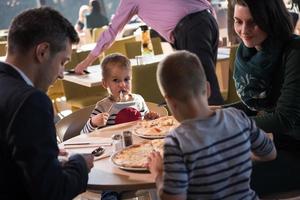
(209,155)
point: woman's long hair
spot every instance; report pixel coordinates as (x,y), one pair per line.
(271,16)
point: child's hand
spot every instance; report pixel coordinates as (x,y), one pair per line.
(100,119)
(155,163)
(151,115)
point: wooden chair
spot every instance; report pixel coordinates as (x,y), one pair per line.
(231,94)
(79,96)
(71,125)
(55,92)
(144,82)
(133,49)
(3,48)
(119,46)
(162,111)
(97,32)
(156,45)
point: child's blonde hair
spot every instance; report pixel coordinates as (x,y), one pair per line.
(181,76)
(114,59)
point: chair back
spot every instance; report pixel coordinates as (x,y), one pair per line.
(133,49)
(156,45)
(79,96)
(144,82)
(97,32)
(119,46)
(232,95)
(162,111)
(71,125)
(3,48)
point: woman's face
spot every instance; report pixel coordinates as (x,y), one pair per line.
(246,28)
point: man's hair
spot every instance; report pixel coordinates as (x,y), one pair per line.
(271,16)
(114,59)
(38,25)
(181,76)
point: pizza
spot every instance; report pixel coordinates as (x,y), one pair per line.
(135,156)
(156,128)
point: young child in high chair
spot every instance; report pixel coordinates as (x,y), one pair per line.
(121,105)
(209,155)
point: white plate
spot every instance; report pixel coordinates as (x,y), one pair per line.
(138,133)
(140,169)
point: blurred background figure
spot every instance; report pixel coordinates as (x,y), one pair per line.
(95,19)
(80,24)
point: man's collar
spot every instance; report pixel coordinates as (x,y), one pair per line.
(23,75)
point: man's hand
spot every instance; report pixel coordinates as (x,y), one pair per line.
(89,159)
(80,67)
(84,64)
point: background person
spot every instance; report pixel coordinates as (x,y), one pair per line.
(80,24)
(95,18)
(208,156)
(39,44)
(267,78)
(187,25)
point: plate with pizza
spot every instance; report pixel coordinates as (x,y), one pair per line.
(134,157)
(154,129)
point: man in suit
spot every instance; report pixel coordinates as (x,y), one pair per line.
(39,44)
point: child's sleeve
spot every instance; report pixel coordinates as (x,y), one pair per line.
(175,174)
(88,127)
(261,144)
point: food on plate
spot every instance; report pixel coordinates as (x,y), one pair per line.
(157,127)
(135,156)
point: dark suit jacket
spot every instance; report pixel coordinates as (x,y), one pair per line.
(29,168)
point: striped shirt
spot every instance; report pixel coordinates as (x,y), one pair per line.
(105,104)
(211,158)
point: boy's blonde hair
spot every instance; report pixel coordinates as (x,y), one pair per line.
(114,59)
(181,76)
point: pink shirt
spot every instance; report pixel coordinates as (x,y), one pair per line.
(161,15)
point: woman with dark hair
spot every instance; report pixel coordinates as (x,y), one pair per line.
(95,19)
(267,79)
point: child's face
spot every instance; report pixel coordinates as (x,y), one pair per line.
(119,80)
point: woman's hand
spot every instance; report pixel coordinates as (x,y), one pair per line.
(100,119)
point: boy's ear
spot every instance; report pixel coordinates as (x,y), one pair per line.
(104,84)
(208,90)
(171,101)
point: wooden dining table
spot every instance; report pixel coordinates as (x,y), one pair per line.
(95,74)
(105,175)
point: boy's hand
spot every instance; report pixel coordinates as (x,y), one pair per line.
(151,115)
(100,119)
(155,163)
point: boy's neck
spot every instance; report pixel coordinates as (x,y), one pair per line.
(195,109)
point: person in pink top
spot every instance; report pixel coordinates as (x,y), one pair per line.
(187,24)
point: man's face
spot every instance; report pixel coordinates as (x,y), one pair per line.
(53,67)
